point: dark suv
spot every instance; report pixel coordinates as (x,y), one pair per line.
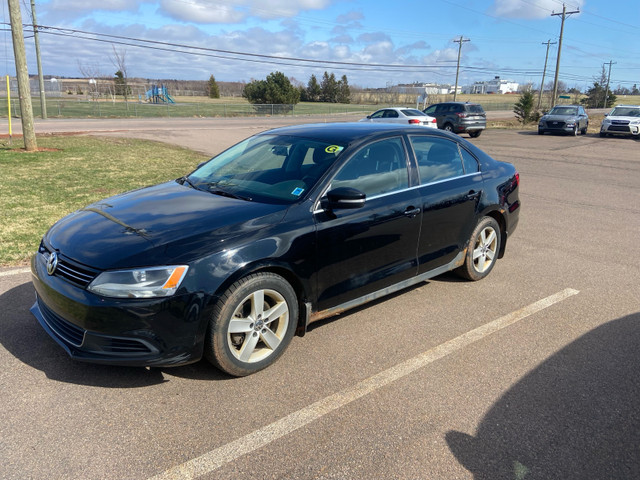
(459,117)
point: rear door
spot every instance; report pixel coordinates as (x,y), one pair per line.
(450,189)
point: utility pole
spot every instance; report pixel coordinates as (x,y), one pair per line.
(606,90)
(460,41)
(24,91)
(544,71)
(563,15)
(43,100)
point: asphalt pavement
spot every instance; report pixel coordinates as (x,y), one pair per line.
(531,373)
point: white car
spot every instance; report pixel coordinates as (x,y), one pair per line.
(622,120)
(403,116)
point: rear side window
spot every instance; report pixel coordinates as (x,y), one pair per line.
(438,159)
(412,113)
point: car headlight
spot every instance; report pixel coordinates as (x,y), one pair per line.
(139,282)
(634,122)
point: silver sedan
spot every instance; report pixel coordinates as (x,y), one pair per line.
(403,116)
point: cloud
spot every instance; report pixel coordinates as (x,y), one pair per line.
(235,11)
(532,9)
(352,16)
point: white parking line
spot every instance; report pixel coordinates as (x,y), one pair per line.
(17,271)
(219,457)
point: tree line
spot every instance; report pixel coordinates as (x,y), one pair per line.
(278,89)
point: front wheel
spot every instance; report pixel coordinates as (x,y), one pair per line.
(575,131)
(584,130)
(482,251)
(252,324)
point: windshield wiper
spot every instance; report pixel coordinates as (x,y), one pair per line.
(186,180)
(224,193)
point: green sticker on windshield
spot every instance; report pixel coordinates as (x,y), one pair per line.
(333,149)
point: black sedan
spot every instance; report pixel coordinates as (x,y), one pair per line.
(285,228)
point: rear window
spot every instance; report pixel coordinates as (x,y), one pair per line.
(475,108)
(410,112)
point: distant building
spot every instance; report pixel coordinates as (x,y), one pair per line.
(497,85)
(425,88)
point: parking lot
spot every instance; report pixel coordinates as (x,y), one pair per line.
(529,373)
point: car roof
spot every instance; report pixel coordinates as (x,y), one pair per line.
(628,106)
(347,133)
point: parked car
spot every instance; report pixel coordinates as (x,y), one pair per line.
(622,120)
(287,227)
(403,116)
(459,117)
(564,119)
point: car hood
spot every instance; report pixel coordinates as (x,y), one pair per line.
(156,225)
(559,118)
(623,118)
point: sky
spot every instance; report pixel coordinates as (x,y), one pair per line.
(375,43)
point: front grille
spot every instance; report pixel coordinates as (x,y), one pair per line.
(73,272)
(556,124)
(70,333)
(619,128)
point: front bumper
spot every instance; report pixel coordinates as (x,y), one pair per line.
(620,129)
(91,328)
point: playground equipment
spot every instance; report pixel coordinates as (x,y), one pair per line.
(158,94)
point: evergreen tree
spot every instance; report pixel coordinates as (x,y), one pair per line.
(329,88)
(524,109)
(596,94)
(214,90)
(344,92)
(313,91)
(120,84)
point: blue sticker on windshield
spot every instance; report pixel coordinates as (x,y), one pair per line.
(297,192)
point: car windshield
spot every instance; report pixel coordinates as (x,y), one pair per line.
(563,111)
(625,112)
(413,113)
(266,168)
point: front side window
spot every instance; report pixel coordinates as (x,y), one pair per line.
(438,159)
(376,169)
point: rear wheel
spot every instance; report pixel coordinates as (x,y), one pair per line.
(475,133)
(252,324)
(448,127)
(482,252)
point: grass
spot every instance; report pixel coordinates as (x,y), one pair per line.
(37,189)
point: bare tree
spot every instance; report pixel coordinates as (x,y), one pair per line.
(92,74)
(119,60)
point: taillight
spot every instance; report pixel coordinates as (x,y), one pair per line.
(414,120)
(517,179)
(434,120)
(461,114)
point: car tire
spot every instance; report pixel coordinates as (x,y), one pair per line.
(584,130)
(482,252)
(602,134)
(448,127)
(575,131)
(475,134)
(252,324)
(540,132)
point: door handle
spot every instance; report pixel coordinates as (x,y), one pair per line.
(411,212)
(472,195)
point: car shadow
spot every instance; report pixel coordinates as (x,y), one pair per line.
(575,416)
(23,337)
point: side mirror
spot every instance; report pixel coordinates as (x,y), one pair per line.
(369,117)
(343,198)
(201,164)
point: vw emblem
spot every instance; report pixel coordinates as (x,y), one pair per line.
(52,263)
